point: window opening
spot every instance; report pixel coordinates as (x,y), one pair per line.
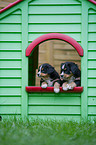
(53,52)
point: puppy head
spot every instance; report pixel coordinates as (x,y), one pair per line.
(66,70)
(45,70)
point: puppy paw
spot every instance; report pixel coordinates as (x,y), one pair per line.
(69,87)
(65,86)
(44,86)
(56,87)
(56,90)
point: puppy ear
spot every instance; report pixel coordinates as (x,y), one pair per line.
(50,69)
(75,70)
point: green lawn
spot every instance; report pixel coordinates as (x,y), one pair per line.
(48,132)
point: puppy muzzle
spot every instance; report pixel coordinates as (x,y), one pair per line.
(61,76)
(38,74)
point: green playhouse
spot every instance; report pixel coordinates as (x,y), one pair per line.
(24,25)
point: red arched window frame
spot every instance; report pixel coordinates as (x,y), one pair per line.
(51,36)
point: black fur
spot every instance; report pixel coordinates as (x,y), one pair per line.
(70,67)
(48,69)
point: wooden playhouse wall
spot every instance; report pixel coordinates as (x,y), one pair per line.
(22,24)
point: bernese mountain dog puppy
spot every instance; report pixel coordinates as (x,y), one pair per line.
(70,76)
(49,77)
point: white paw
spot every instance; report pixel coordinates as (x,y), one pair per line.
(64,88)
(56,90)
(69,87)
(44,86)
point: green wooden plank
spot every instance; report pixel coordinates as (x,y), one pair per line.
(10,109)
(54,18)
(53,2)
(92,36)
(91,91)
(91,117)
(10,68)
(92,27)
(92,59)
(10,55)
(10,59)
(24,108)
(12,19)
(12,10)
(92,54)
(92,17)
(54,94)
(10,27)
(91,82)
(91,100)
(10,116)
(92,110)
(84,64)
(10,45)
(91,73)
(54,28)
(76,36)
(12,64)
(6,50)
(17,12)
(10,101)
(10,36)
(91,45)
(54,109)
(91,64)
(92,11)
(54,9)
(54,100)
(10,73)
(10,82)
(56,117)
(10,91)
(11,86)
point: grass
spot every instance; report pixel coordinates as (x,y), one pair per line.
(48,132)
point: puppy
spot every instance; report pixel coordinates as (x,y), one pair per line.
(70,76)
(49,77)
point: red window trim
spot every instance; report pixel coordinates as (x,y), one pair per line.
(36,89)
(57,36)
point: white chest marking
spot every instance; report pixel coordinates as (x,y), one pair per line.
(49,82)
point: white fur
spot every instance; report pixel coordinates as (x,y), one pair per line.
(44,86)
(63,66)
(56,90)
(65,88)
(49,83)
(69,87)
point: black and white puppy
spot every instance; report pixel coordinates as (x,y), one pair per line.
(70,76)
(49,77)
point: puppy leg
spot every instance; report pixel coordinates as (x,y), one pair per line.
(56,87)
(44,85)
(65,86)
(71,86)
